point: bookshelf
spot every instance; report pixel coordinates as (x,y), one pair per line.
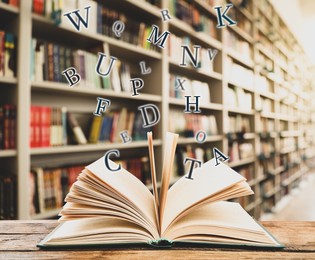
(274,122)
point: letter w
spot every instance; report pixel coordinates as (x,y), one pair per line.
(77,22)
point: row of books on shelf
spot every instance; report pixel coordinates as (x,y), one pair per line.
(239,98)
(52,126)
(49,60)
(240,150)
(7,54)
(239,124)
(237,45)
(191,88)
(265,105)
(101,19)
(182,152)
(7,196)
(187,125)
(190,14)
(238,75)
(50,186)
(108,127)
(7,127)
(175,52)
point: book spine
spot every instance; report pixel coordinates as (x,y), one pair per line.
(1,128)
(12,127)
(6,137)
(2,52)
(73,123)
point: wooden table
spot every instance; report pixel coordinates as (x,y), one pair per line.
(18,240)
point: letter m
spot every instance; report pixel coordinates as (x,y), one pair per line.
(77,22)
(156,38)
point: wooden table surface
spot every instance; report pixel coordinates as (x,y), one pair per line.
(18,240)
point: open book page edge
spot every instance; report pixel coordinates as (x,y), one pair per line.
(169,155)
(153,177)
(218,177)
(126,184)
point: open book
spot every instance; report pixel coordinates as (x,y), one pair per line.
(115,208)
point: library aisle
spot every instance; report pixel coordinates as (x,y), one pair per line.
(301,204)
(255,82)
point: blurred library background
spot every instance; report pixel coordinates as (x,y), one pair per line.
(257,97)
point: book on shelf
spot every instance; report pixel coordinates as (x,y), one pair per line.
(187,125)
(171,217)
(108,127)
(8,50)
(237,45)
(8,196)
(238,124)
(48,126)
(101,19)
(239,75)
(199,153)
(191,88)
(237,97)
(7,127)
(49,186)
(240,150)
(191,15)
(49,60)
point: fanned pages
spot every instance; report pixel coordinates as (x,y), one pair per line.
(106,207)
(153,175)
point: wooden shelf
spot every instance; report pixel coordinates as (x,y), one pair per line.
(179,26)
(206,8)
(242,34)
(10,81)
(265,51)
(78,90)
(288,149)
(294,177)
(241,162)
(7,153)
(192,140)
(47,214)
(248,89)
(269,115)
(8,8)
(194,73)
(91,147)
(269,95)
(291,133)
(116,46)
(241,111)
(238,58)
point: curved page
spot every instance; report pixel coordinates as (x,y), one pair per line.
(207,181)
(127,185)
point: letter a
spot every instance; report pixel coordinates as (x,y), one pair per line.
(77,22)
(217,152)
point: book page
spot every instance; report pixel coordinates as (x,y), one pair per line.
(169,154)
(128,186)
(219,222)
(208,180)
(153,176)
(94,231)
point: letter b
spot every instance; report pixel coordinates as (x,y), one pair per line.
(72,76)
